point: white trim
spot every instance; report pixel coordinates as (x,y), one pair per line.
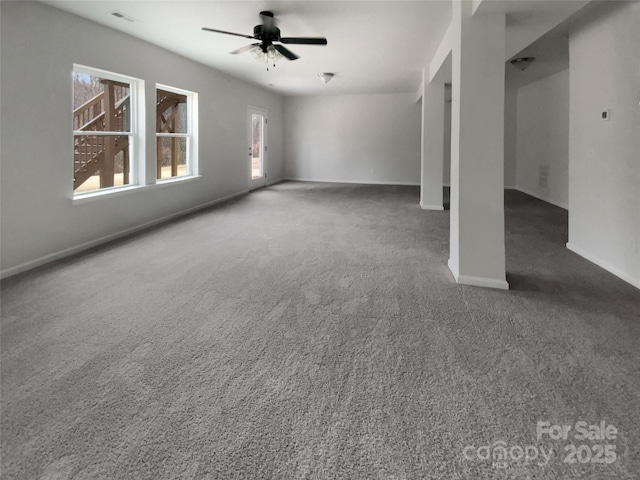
(98,72)
(169,88)
(191,135)
(100,133)
(100,193)
(172,135)
(478,281)
(431,207)
(263,180)
(137,145)
(23,267)
(602,264)
(540,197)
(453,268)
(420,90)
(483,282)
(111,192)
(445,48)
(359,182)
(273,182)
(171,180)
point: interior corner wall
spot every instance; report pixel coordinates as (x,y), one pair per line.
(542,139)
(40,44)
(604,162)
(353,138)
(446,169)
(510,135)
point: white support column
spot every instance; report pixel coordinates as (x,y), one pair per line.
(432,144)
(477,255)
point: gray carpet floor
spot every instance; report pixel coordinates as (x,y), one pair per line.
(314,331)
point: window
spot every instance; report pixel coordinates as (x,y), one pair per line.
(104,107)
(175,141)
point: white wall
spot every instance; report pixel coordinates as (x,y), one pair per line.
(510,109)
(604,162)
(40,44)
(432,146)
(353,138)
(510,134)
(543,138)
(446,177)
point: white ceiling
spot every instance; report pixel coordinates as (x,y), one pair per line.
(373,46)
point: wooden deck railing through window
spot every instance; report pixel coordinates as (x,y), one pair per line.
(96,153)
(107,155)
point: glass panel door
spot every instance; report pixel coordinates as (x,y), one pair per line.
(256,145)
(257,148)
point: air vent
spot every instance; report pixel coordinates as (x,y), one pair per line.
(121,15)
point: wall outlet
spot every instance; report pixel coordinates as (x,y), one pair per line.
(606,115)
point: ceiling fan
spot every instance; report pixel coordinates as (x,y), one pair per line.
(267,34)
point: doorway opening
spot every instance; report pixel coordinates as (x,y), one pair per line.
(257,127)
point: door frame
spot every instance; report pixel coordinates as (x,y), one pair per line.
(261,181)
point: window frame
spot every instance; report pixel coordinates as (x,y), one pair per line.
(136,146)
(192,167)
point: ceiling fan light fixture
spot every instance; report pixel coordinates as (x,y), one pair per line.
(522,63)
(268,55)
(326,76)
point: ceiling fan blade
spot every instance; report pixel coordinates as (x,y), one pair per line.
(304,40)
(285,52)
(244,49)
(226,33)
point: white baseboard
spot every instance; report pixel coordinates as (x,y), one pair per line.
(273,182)
(431,207)
(23,267)
(453,268)
(540,197)
(601,263)
(357,182)
(483,282)
(477,281)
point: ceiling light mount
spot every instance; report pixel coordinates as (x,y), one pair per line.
(326,76)
(522,63)
(122,16)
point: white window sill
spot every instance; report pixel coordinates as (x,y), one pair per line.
(119,191)
(172,180)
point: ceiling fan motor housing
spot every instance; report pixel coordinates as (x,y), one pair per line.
(262,32)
